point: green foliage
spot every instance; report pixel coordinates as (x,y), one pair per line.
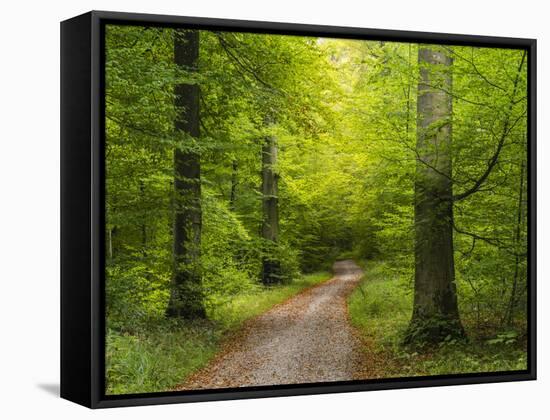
(229,259)
(133,298)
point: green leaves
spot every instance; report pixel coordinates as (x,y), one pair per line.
(508,337)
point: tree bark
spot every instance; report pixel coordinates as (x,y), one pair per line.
(271,272)
(186,299)
(435,313)
(110,243)
(509,316)
(143,220)
(233,194)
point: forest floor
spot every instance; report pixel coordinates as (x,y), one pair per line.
(157,356)
(380,308)
(306,339)
(317,329)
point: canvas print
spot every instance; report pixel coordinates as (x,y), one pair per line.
(286,209)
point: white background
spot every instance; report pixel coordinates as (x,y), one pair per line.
(29,190)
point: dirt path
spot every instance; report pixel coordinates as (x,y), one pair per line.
(303,340)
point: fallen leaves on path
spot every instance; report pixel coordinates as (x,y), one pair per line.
(306,339)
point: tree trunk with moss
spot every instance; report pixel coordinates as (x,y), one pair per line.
(271,267)
(186,299)
(435,312)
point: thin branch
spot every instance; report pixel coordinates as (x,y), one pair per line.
(476,69)
(460,98)
(505,131)
(132,127)
(491,241)
(227,48)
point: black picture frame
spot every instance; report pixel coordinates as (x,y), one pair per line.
(83,216)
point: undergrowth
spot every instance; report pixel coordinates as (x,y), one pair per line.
(381,308)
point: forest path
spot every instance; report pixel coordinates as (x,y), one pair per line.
(305,339)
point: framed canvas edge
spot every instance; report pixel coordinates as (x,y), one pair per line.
(308,389)
(98,399)
(76,338)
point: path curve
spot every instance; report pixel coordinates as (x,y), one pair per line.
(306,339)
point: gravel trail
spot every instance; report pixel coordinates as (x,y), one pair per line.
(306,339)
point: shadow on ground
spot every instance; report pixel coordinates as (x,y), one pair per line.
(52,389)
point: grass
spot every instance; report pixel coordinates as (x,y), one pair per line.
(162,355)
(246,306)
(381,307)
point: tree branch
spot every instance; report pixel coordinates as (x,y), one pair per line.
(227,48)
(478,72)
(491,241)
(505,131)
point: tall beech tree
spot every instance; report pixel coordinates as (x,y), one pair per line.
(271,267)
(186,297)
(435,312)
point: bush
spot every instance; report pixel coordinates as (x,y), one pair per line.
(136,293)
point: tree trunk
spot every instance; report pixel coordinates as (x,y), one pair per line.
(435,313)
(143,221)
(271,272)
(509,316)
(110,243)
(232,196)
(186,299)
